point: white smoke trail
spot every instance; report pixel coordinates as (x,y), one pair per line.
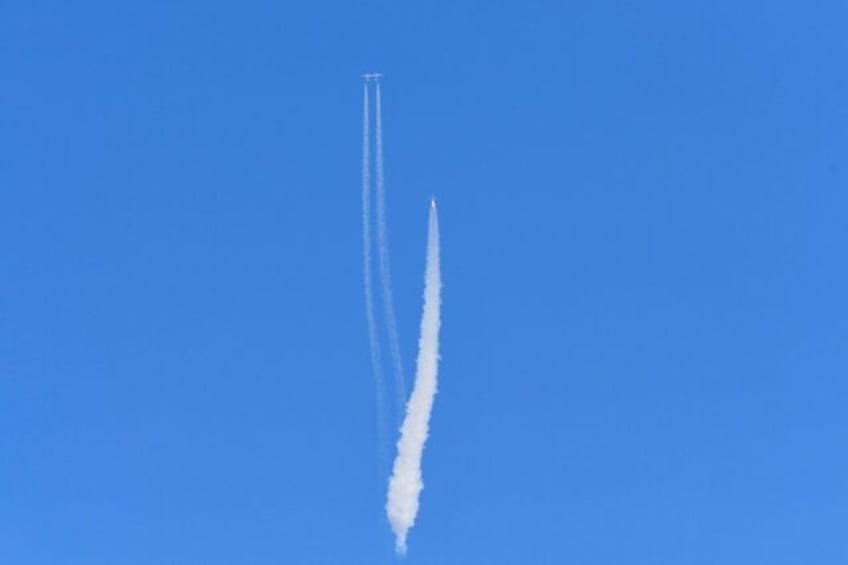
(376,362)
(385,266)
(405,484)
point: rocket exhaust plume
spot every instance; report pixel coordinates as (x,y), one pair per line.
(405,484)
(374,343)
(385,266)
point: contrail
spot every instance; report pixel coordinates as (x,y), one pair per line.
(376,363)
(385,266)
(405,484)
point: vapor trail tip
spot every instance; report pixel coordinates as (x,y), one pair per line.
(400,547)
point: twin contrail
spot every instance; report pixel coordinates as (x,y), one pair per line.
(405,484)
(376,362)
(383,257)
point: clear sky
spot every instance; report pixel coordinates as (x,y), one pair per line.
(643,211)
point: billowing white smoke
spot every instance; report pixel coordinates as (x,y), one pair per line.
(385,264)
(405,484)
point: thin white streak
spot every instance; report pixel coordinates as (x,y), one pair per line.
(373,340)
(405,484)
(385,264)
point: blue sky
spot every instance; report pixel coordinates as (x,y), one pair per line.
(644,253)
